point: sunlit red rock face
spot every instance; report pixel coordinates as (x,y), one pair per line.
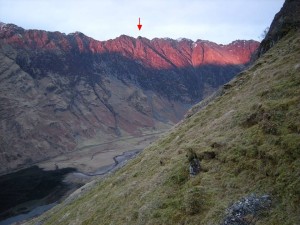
(57,90)
(168,53)
(156,53)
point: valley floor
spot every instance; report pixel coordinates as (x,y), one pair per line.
(94,158)
(93,154)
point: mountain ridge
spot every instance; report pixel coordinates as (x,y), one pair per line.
(130,47)
(16,27)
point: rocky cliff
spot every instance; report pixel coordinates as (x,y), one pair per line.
(57,90)
(287,19)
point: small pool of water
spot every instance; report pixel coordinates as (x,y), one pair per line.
(35,212)
(24,190)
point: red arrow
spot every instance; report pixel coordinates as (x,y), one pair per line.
(140,25)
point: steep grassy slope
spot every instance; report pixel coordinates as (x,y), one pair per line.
(252,128)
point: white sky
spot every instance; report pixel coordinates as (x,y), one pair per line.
(221,21)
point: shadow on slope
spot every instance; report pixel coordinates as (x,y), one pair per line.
(189,84)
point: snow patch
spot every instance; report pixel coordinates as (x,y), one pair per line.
(2,25)
(183,39)
(179,39)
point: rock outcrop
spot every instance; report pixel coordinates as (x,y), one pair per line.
(286,19)
(247,210)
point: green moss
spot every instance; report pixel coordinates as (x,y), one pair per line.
(179,175)
(194,200)
(291,145)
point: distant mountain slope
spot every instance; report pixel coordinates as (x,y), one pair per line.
(248,140)
(184,65)
(57,90)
